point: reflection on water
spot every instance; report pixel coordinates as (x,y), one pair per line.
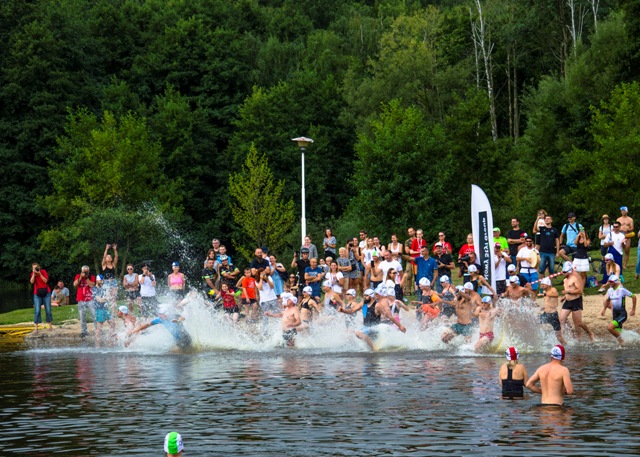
(303,403)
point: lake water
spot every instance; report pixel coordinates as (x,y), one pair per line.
(330,396)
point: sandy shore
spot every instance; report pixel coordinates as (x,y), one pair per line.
(69,331)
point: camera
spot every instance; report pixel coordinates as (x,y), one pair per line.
(464,258)
(350,244)
(37,269)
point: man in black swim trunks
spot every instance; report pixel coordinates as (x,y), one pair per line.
(572,296)
(372,311)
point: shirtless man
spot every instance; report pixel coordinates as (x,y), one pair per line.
(615,301)
(468,300)
(486,315)
(515,291)
(572,298)
(372,315)
(550,313)
(376,272)
(554,378)
(290,318)
(626,227)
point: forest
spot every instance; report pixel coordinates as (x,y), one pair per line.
(146,122)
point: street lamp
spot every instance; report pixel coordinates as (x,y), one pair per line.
(303,142)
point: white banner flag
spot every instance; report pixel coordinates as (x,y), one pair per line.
(482,226)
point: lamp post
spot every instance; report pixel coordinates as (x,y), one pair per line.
(303,142)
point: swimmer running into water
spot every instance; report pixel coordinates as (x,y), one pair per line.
(372,310)
(615,300)
(172,322)
(550,313)
(554,379)
(290,318)
(468,300)
(486,314)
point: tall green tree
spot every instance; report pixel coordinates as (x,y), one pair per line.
(264,217)
(107,188)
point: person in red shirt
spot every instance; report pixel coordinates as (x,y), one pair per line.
(446,246)
(41,295)
(417,244)
(83,282)
(249,297)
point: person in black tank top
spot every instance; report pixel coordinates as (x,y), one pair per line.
(513,376)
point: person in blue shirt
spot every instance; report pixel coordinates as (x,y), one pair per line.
(426,266)
(570,230)
(313,276)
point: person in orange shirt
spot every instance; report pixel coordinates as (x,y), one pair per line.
(249,297)
(427,308)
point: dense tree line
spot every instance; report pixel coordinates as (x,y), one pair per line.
(122,120)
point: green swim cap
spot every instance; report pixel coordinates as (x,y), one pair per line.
(173,443)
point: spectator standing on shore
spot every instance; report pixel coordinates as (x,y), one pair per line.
(147,282)
(603,233)
(311,248)
(515,237)
(548,246)
(329,244)
(131,287)
(84,282)
(627,228)
(109,265)
(41,295)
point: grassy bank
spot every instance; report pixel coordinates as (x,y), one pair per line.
(60,314)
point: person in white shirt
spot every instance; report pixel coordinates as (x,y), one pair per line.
(147,281)
(527,270)
(389,263)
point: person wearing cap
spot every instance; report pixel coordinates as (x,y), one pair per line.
(615,300)
(83,282)
(290,318)
(572,297)
(515,237)
(486,314)
(228,272)
(502,259)
(127,317)
(550,311)
(372,312)
(525,256)
(172,321)
(444,261)
(468,300)
(447,297)
(512,270)
(100,302)
(627,228)
(548,246)
(512,376)
(427,305)
(479,282)
(307,305)
(176,281)
(610,268)
(516,292)
(571,230)
(497,238)
(554,378)
(301,264)
(173,445)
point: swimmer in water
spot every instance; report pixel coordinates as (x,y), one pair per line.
(428,307)
(372,311)
(290,318)
(615,300)
(554,379)
(550,313)
(486,314)
(468,300)
(173,445)
(512,376)
(307,306)
(572,297)
(172,322)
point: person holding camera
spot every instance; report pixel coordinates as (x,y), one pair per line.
(41,295)
(445,264)
(147,282)
(84,282)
